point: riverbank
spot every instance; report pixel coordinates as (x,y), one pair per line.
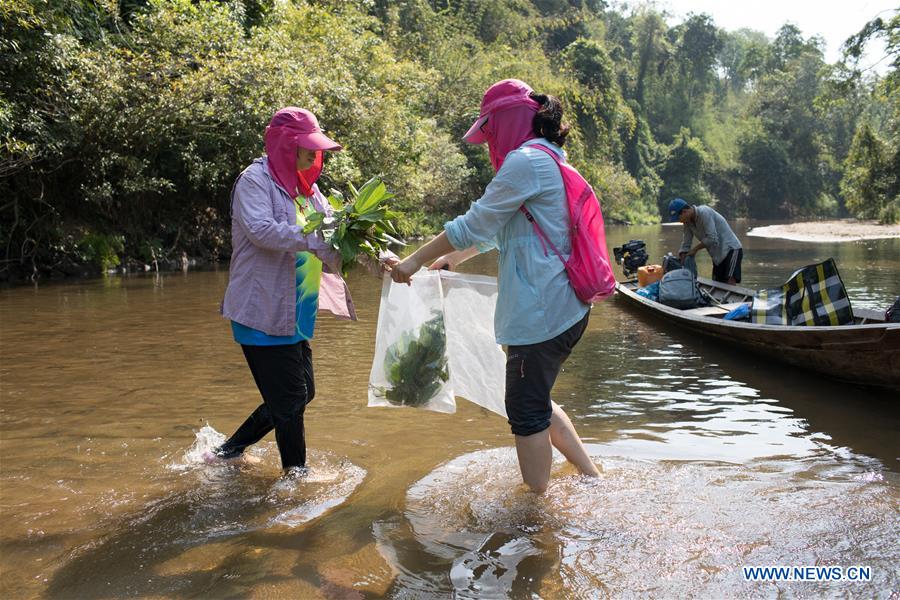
(845,230)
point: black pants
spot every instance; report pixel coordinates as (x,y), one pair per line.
(284,376)
(729,267)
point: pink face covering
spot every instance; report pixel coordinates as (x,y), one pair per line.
(505,120)
(507,130)
(308,177)
(292,128)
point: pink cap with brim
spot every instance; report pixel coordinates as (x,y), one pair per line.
(500,96)
(305,129)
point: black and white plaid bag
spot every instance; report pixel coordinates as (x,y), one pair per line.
(813,295)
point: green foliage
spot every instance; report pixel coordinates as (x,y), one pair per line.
(766,168)
(871,183)
(683,173)
(871,176)
(100,250)
(132,119)
(604,119)
(620,194)
(363,226)
(416,364)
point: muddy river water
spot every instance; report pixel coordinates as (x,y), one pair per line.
(712,460)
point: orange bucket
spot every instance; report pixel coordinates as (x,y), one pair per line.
(649,274)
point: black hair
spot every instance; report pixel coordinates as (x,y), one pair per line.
(547,122)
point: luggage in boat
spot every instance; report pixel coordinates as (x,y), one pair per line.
(813,295)
(678,289)
(651,292)
(649,274)
(670,262)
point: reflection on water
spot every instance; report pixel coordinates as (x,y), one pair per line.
(712,460)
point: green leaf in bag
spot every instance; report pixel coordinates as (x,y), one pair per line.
(416,364)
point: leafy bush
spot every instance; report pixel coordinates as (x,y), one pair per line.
(131,120)
(100,250)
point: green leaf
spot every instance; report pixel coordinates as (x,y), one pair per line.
(314,221)
(372,217)
(416,364)
(337,202)
(370,196)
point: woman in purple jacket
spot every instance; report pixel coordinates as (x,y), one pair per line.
(278,280)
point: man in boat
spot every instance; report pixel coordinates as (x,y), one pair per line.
(714,234)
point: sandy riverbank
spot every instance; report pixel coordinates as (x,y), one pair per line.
(847,230)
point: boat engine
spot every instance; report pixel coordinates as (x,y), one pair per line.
(631,256)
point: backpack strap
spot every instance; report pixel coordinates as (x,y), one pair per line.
(537,228)
(540,233)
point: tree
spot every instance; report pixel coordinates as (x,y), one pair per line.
(683,173)
(603,117)
(871,184)
(765,164)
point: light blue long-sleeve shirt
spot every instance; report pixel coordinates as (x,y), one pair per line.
(535,301)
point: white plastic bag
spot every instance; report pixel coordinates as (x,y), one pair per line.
(410,367)
(462,307)
(477,363)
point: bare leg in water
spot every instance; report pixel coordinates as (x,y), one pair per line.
(535,451)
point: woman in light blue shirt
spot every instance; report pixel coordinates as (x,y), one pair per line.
(539,318)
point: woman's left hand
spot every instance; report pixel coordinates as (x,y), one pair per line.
(331,258)
(403,271)
(388,264)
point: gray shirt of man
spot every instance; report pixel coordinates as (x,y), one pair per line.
(710,228)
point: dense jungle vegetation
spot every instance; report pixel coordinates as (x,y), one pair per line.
(124,123)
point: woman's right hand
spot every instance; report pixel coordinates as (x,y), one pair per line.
(443,262)
(403,271)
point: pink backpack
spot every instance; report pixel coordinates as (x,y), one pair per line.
(588,266)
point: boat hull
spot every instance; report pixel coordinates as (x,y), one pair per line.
(866,354)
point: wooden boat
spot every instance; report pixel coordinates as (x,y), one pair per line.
(864,353)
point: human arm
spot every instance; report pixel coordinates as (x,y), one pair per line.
(477,229)
(452,260)
(708,228)
(687,237)
(515,183)
(437,247)
(253,213)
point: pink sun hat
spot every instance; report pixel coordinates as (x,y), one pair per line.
(500,96)
(303,127)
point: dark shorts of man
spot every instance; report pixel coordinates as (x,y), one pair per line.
(531,371)
(284,377)
(729,267)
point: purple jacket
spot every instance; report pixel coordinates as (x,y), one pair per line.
(265,239)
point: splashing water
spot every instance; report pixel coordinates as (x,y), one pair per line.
(326,483)
(207,440)
(648,526)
